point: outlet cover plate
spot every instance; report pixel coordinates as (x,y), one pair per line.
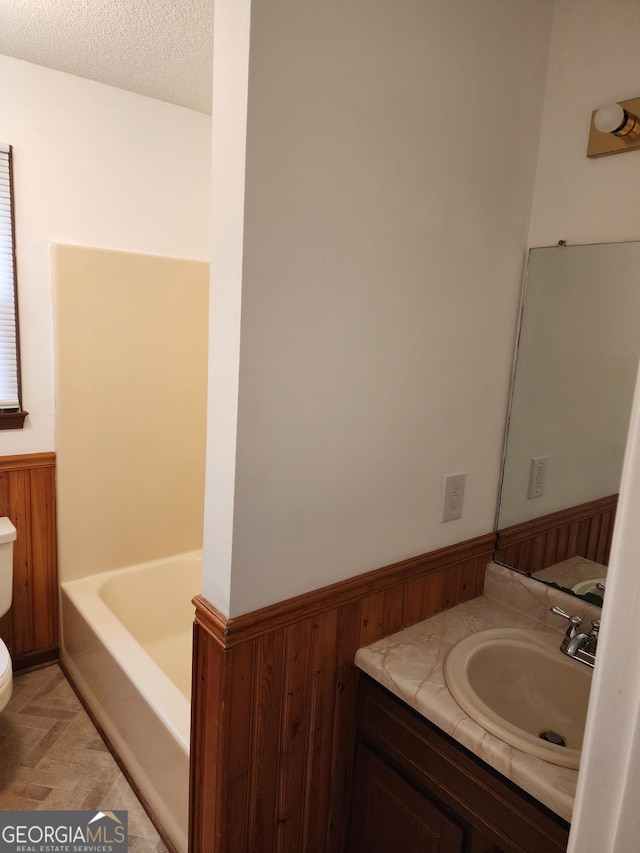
(453,497)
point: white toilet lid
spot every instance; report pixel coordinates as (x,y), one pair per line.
(5,661)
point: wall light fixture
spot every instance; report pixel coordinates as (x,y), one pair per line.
(615,128)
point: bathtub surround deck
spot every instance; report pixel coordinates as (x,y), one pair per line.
(410,665)
(274,701)
(51,757)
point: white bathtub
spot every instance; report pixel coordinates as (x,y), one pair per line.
(126,643)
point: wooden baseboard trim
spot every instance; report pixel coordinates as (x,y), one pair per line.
(249,626)
(34,660)
(107,742)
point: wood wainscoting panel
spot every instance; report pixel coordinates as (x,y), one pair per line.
(274,702)
(584,530)
(209,682)
(27,497)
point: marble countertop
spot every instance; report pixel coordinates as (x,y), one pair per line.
(410,665)
(572,571)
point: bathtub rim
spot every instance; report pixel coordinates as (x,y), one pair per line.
(158,690)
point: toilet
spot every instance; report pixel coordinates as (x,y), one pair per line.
(7,538)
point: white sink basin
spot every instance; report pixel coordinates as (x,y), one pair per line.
(517,684)
(583,587)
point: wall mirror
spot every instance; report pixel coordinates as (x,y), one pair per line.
(577,357)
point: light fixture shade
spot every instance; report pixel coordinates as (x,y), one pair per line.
(615,128)
(609,118)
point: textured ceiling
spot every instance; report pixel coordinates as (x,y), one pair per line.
(159,48)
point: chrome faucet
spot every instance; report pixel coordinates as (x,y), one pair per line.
(576,644)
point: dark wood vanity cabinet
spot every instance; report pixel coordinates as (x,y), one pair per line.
(417,791)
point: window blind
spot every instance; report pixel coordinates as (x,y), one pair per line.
(9,397)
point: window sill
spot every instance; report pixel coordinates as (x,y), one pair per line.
(12,420)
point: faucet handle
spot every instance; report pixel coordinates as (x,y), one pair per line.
(595,628)
(576,621)
(573,631)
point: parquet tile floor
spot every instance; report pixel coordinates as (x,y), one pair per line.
(52,757)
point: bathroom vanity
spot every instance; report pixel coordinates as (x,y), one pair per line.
(430,778)
(418,790)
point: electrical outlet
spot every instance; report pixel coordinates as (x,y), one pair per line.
(537,476)
(453,497)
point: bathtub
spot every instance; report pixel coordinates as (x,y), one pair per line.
(126,644)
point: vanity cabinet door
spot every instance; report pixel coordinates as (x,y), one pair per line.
(413,778)
(390,815)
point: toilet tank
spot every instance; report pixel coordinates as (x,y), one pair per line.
(7,538)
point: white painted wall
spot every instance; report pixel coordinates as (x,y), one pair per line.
(594,60)
(93,166)
(390,162)
(229,136)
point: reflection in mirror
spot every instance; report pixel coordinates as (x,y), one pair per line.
(573,384)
